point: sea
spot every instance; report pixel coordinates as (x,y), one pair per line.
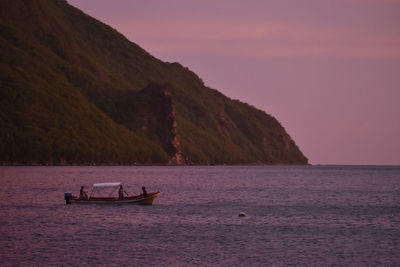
(294,216)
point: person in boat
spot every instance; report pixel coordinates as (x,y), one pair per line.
(144,191)
(121,192)
(83,193)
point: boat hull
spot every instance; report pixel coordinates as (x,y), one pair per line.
(136,200)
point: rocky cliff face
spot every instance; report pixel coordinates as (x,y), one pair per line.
(157,114)
(74,90)
(172,136)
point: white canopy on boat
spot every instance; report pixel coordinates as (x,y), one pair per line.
(107,184)
(104,189)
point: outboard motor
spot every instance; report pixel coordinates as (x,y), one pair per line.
(68,197)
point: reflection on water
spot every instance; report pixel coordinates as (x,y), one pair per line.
(309,215)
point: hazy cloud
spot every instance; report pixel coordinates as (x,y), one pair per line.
(261,38)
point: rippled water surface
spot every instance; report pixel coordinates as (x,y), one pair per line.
(303,216)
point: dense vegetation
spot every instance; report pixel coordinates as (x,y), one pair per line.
(74,90)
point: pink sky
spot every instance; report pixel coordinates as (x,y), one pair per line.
(329,71)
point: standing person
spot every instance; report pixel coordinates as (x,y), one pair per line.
(121,192)
(144,191)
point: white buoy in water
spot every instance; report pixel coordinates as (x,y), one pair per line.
(242,214)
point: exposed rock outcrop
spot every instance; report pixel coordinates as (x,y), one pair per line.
(172,136)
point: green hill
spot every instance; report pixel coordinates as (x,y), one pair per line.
(74,90)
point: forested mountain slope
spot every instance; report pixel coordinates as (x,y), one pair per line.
(74,90)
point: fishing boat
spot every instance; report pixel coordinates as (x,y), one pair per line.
(108,193)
